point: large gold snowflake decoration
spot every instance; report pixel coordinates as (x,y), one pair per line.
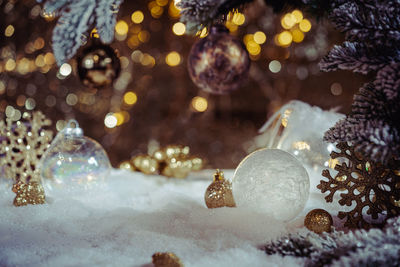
(22,144)
(371,188)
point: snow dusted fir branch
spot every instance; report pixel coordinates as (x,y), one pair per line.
(77,18)
(359,248)
(372,29)
(197,14)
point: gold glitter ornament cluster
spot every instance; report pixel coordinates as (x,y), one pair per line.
(219,192)
(31,193)
(171,161)
(166,259)
(318,221)
(23,144)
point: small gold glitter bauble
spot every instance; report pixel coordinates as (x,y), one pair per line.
(219,192)
(318,221)
(126,165)
(30,193)
(98,66)
(166,259)
(145,164)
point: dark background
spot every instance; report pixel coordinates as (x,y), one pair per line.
(163,112)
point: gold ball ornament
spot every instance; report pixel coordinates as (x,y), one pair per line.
(197,163)
(177,168)
(318,221)
(159,155)
(31,193)
(177,151)
(219,192)
(98,66)
(145,164)
(126,165)
(166,259)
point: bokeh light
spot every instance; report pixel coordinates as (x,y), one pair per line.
(137,17)
(9,31)
(285,38)
(275,66)
(305,25)
(130,98)
(179,28)
(121,27)
(65,69)
(110,121)
(199,104)
(259,37)
(173,59)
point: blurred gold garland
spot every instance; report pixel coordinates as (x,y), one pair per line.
(170,161)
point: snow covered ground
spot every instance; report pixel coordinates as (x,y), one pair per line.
(127,218)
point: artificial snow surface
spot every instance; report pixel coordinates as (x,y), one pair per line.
(130,216)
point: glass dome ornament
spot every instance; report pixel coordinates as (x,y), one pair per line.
(73,161)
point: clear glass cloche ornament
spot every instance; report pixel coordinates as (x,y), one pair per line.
(73,161)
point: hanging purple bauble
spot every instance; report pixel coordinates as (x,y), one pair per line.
(218,63)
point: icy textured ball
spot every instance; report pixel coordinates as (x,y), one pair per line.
(271,181)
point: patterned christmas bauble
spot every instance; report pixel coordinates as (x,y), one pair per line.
(98,66)
(218,63)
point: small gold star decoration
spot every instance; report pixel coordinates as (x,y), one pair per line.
(170,161)
(28,193)
(23,143)
(371,189)
(318,221)
(219,192)
(166,259)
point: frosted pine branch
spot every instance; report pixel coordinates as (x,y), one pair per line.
(373,126)
(358,58)
(372,30)
(77,18)
(388,82)
(197,14)
(359,248)
(70,28)
(377,24)
(106,17)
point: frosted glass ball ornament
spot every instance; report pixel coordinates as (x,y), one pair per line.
(73,161)
(273,182)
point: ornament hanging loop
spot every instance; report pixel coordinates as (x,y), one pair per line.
(73,129)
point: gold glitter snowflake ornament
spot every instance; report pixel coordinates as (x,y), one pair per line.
(31,193)
(22,144)
(372,190)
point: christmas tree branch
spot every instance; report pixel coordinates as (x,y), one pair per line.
(197,14)
(359,248)
(358,58)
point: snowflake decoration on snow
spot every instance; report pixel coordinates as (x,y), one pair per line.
(77,18)
(373,188)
